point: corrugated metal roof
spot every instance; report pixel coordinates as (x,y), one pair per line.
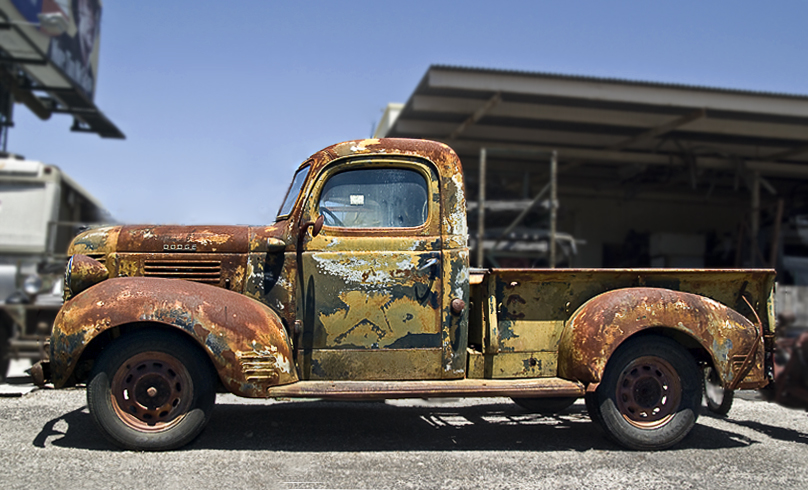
(621,81)
(608,121)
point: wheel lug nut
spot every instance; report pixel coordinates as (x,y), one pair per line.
(152,391)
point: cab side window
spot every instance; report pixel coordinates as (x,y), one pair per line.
(375,198)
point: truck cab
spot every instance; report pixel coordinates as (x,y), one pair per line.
(379,279)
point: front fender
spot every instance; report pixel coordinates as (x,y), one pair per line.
(601,324)
(245,339)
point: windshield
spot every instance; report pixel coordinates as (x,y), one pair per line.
(291,194)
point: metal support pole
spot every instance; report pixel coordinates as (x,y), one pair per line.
(526,186)
(553,206)
(755,218)
(775,244)
(481,210)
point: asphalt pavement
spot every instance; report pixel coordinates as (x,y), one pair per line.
(48,440)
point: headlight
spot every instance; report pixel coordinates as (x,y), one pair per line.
(32,285)
(66,295)
(81,273)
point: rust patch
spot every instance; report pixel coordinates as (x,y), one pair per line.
(95,242)
(83,272)
(232,328)
(604,322)
(184,239)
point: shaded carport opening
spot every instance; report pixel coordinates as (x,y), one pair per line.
(649,174)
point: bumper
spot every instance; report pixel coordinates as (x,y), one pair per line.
(40,372)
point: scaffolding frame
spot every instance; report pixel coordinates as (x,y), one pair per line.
(551,186)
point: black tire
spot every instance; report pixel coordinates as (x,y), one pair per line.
(151,391)
(719,400)
(546,405)
(5,359)
(650,394)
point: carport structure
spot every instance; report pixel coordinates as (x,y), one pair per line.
(663,162)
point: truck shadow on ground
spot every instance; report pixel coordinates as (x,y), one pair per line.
(779,433)
(319,426)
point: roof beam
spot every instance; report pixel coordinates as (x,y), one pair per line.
(430,129)
(609,117)
(606,157)
(792,152)
(478,114)
(659,130)
(619,91)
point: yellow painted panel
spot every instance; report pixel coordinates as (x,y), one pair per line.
(529,335)
(476,367)
(524,364)
(376,364)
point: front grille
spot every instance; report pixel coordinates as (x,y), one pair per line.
(207,271)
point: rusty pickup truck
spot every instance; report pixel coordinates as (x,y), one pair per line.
(362,289)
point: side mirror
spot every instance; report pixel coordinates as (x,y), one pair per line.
(318,225)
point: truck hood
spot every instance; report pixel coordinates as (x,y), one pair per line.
(210,239)
(167,238)
(98,242)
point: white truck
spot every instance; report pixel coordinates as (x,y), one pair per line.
(41,210)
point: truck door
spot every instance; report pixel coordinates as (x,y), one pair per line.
(372,278)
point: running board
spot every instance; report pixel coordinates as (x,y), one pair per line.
(518,388)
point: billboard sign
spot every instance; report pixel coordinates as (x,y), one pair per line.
(73,29)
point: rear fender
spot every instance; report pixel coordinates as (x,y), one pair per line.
(245,340)
(601,324)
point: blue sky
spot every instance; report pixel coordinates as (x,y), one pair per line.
(220,101)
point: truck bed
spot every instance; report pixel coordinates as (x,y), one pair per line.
(518,315)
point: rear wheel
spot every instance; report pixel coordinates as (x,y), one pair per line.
(650,394)
(547,406)
(719,400)
(151,391)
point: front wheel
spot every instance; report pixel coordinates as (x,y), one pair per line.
(151,391)
(650,394)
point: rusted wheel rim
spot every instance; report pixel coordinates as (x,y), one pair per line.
(648,392)
(151,391)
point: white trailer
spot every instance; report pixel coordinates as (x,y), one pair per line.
(41,210)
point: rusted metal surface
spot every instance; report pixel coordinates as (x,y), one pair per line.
(95,242)
(83,272)
(40,373)
(505,365)
(604,322)
(200,239)
(552,387)
(752,354)
(245,340)
(161,406)
(648,392)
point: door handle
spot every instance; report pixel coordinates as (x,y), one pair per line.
(429,263)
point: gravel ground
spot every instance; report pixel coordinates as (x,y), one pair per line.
(48,440)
